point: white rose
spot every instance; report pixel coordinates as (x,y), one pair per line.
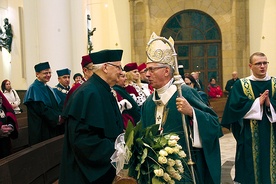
(178,146)
(169,150)
(170,170)
(162,159)
(172,142)
(174,137)
(182,154)
(158,172)
(167,177)
(178,163)
(171,162)
(180,169)
(176,176)
(163,153)
(175,149)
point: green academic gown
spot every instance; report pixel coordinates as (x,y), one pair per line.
(255,155)
(93,122)
(207,159)
(43,112)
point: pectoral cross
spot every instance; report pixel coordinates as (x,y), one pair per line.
(159,118)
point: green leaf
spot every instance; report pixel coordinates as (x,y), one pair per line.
(144,156)
(129,129)
(130,139)
(163,141)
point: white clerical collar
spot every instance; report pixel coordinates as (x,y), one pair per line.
(253,78)
(162,90)
(161,99)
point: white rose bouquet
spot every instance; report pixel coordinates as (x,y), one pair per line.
(151,157)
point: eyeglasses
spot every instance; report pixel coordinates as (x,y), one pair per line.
(265,63)
(117,66)
(152,69)
(89,68)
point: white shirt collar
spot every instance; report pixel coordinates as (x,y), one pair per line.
(254,78)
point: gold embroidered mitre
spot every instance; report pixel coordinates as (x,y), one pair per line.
(159,50)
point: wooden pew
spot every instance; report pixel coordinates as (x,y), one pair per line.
(218,105)
(22,141)
(21,94)
(34,165)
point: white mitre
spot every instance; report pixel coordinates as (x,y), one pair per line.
(159,50)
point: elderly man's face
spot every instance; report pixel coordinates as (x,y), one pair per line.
(157,74)
(64,80)
(114,70)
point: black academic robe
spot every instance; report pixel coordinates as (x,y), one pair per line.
(230,84)
(207,159)
(43,112)
(254,157)
(93,122)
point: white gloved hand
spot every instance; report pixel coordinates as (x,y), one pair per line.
(133,96)
(124,105)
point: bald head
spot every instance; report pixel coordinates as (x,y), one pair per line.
(235,75)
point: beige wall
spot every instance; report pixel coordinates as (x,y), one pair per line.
(262,30)
(112,21)
(231,16)
(11,63)
(246,26)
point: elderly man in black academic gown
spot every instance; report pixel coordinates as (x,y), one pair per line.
(92,123)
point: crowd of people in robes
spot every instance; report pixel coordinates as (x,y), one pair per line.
(106,97)
(108,101)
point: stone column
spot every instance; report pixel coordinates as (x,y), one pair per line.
(55,31)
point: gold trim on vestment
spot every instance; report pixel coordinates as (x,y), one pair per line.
(247,89)
(272,142)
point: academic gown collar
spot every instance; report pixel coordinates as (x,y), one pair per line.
(38,92)
(99,79)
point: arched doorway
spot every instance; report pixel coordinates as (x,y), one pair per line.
(197,43)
